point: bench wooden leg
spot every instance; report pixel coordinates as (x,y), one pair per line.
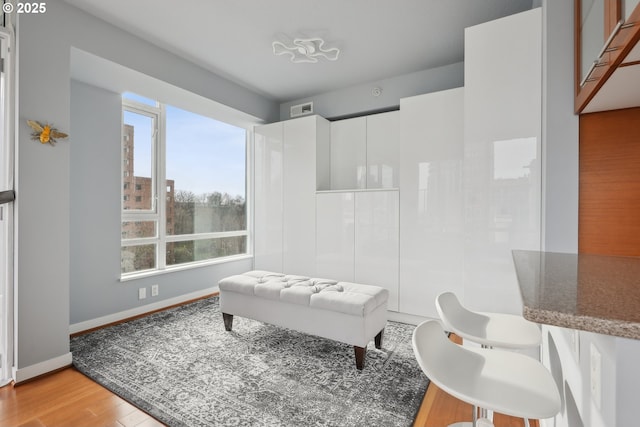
(378,339)
(361,352)
(228,321)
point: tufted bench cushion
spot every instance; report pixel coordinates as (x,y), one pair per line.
(348,312)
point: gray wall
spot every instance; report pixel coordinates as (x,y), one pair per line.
(358,99)
(45,234)
(95,288)
(559,130)
(42,199)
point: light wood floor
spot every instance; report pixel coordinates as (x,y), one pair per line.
(69,399)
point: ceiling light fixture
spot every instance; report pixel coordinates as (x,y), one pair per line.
(306,50)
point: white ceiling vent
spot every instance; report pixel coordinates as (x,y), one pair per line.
(301,109)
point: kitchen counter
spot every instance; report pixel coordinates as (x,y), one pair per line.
(593,293)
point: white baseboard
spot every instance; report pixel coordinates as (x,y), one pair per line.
(122,315)
(23,374)
(410,319)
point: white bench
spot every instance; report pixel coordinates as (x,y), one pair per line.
(351,313)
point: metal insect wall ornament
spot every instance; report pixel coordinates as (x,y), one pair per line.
(45,133)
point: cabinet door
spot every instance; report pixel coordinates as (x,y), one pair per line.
(268,186)
(383,149)
(502,163)
(376,241)
(335,235)
(348,154)
(299,194)
(431,210)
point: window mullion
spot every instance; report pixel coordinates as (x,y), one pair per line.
(205,236)
(161,188)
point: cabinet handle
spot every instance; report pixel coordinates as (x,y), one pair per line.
(7,196)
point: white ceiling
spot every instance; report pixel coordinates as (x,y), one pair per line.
(378,38)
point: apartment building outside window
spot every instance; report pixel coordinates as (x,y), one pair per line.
(184,187)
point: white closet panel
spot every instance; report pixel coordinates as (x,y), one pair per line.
(431,209)
(268,199)
(502,162)
(349,154)
(383,149)
(285,193)
(335,235)
(376,241)
(299,188)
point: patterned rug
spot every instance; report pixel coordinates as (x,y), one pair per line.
(184,369)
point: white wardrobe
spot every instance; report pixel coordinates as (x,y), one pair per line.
(431,199)
(426,199)
(502,160)
(285,182)
(358,238)
(470,173)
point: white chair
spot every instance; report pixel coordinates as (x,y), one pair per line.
(488,329)
(505,382)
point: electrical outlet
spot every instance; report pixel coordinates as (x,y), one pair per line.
(142,293)
(596,375)
(154,290)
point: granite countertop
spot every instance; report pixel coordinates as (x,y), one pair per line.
(593,293)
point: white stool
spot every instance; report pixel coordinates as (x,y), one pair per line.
(488,329)
(506,382)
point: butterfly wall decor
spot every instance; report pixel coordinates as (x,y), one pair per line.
(45,133)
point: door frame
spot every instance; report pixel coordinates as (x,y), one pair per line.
(7,180)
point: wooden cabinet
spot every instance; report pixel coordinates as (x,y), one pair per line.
(607,55)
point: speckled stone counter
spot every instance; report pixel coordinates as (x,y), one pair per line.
(588,292)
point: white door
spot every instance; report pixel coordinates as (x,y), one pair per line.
(6,214)
(268,199)
(377,241)
(335,235)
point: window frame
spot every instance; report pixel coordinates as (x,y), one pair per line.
(158,211)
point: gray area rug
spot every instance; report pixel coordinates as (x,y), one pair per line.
(184,369)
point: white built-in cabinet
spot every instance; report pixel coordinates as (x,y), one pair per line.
(335,235)
(383,142)
(364,152)
(426,199)
(431,199)
(348,154)
(268,197)
(358,238)
(285,182)
(502,161)
(377,229)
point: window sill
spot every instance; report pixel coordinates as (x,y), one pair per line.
(148,273)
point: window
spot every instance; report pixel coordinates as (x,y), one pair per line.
(196,166)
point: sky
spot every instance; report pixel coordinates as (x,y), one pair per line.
(203,155)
